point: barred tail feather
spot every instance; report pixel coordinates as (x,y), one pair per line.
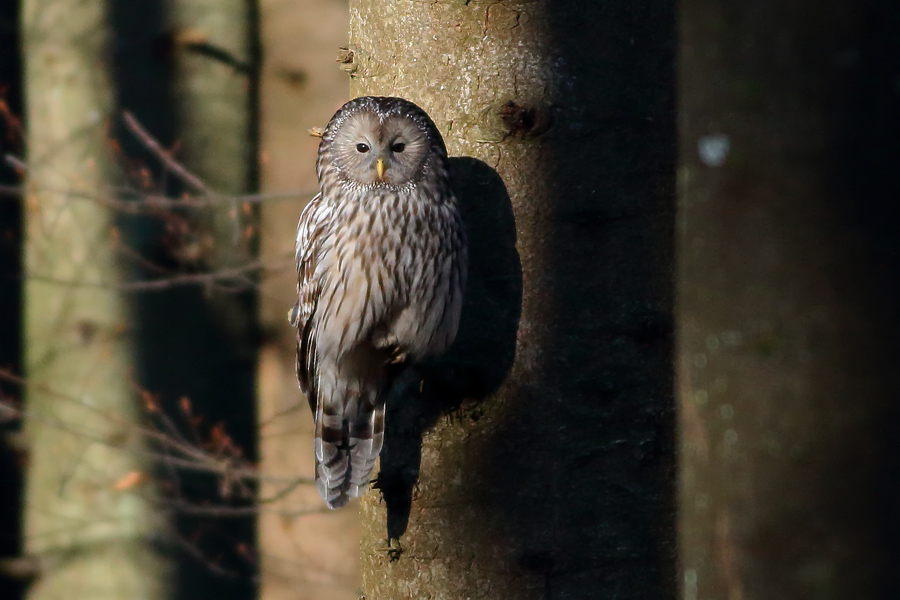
(366,440)
(332,458)
(347,448)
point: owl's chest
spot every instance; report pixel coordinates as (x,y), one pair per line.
(388,239)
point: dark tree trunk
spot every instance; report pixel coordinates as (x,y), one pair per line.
(11,467)
(789,284)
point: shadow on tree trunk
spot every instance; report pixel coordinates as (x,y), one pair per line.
(483,353)
(582,470)
(579,473)
(571,473)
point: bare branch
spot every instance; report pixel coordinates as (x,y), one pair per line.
(192,456)
(211,510)
(22,568)
(214,278)
(16,163)
(153,145)
(142,202)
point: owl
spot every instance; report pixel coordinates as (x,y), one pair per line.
(381,263)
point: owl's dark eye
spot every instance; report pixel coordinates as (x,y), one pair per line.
(398,147)
(362,148)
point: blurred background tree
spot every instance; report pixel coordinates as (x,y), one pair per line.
(83,536)
(186,281)
(788,292)
(188,71)
(307,550)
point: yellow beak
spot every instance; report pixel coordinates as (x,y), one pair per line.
(379,168)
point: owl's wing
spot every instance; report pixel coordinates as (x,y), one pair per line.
(332,460)
(346,446)
(311,231)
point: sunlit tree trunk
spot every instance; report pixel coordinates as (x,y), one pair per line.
(88,532)
(554,478)
(214,93)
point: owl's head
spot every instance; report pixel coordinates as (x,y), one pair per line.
(382,141)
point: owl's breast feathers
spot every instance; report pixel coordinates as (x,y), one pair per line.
(389,270)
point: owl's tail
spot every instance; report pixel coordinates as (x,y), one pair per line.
(349,437)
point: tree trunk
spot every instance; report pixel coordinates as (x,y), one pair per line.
(555,475)
(215,94)
(788,291)
(188,70)
(89,539)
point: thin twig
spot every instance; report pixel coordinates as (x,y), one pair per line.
(265,422)
(16,163)
(248,473)
(215,278)
(140,202)
(211,510)
(198,555)
(153,145)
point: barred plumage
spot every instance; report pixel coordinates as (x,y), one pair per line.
(381,262)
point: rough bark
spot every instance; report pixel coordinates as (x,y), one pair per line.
(554,475)
(788,294)
(307,550)
(86,538)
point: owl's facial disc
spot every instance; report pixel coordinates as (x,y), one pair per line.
(370,151)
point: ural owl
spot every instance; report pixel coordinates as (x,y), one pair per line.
(381,262)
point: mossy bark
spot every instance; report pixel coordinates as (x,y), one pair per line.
(87,538)
(554,478)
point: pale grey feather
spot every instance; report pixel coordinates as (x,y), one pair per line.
(381,259)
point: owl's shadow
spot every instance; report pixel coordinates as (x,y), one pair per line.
(483,353)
